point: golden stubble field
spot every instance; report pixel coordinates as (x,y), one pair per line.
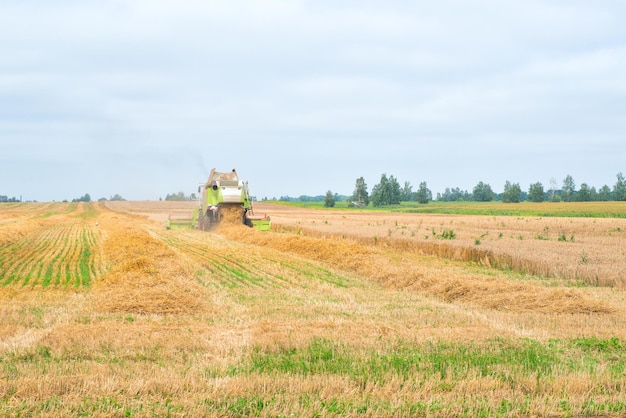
(332,313)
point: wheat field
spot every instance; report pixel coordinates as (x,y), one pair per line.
(332,313)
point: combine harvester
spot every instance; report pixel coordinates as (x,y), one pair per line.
(222,196)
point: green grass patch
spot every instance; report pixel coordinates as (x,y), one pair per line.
(437,365)
(47,278)
(240,406)
(442,360)
(89,211)
(506,360)
(442,366)
(545,209)
(52,209)
(231,274)
(84,263)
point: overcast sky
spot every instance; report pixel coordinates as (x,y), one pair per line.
(143,97)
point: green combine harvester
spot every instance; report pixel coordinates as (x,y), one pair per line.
(222,195)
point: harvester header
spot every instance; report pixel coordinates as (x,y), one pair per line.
(223,194)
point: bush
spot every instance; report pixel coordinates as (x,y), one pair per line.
(448,234)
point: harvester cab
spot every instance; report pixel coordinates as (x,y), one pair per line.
(225,198)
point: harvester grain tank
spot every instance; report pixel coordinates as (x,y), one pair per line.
(223,194)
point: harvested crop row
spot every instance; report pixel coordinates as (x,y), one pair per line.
(14,226)
(235,265)
(579,251)
(53,256)
(412,271)
(224,267)
(21,220)
(145,276)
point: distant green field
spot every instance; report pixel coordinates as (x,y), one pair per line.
(547,209)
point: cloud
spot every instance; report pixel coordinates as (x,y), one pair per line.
(161,89)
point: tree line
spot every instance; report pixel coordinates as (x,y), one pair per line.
(389,191)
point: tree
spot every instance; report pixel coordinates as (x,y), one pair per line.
(536,193)
(407,192)
(387,192)
(483,192)
(395,192)
(360,195)
(180,196)
(604,194)
(569,189)
(619,190)
(84,198)
(329,200)
(512,193)
(423,194)
(379,191)
(453,195)
(584,194)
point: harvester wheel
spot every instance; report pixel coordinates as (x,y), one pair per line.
(210,219)
(246,221)
(204,222)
